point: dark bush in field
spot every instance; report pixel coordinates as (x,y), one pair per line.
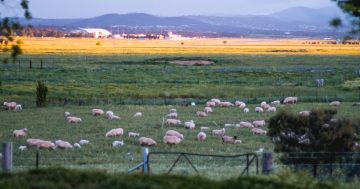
(41,93)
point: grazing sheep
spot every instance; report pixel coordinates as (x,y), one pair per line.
(115,132)
(133,134)
(32,141)
(63,144)
(229,139)
(208,110)
(290,100)
(189,124)
(218,132)
(138,114)
(271,109)
(201,114)
(174,133)
(109,114)
(172,140)
(263,104)
(67,114)
(335,103)
(18,107)
(173,122)
(77,145)
(266,106)
(117,143)
(304,113)
(240,104)
(226,104)
(115,117)
(172,115)
(84,142)
(71,119)
(243,105)
(201,136)
(22,148)
(42,144)
(210,104)
(172,110)
(259,109)
(246,110)
(237,142)
(245,124)
(20,133)
(204,128)
(96,112)
(258,131)
(259,123)
(9,105)
(144,141)
(275,103)
(217,101)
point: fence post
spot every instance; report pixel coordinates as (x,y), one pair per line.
(146,160)
(41,64)
(267,163)
(7,161)
(37,159)
(30,64)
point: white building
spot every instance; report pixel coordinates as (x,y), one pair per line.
(176,37)
(95,32)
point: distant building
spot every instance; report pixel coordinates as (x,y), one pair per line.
(176,36)
(93,32)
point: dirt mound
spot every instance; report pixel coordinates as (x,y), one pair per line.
(191,62)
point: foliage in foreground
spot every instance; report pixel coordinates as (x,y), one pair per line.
(66,179)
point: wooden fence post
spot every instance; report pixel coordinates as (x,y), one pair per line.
(267,163)
(30,64)
(146,160)
(7,161)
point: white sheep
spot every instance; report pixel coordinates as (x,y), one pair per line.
(237,142)
(201,136)
(271,109)
(66,114)
(259,123)
(229,139)
(172,115)
(138,114)
(22,148)
(174,133)
(217,101)
(258,131)
(290,100)
(172,122)
(109,114)
(239,103)
(117,143)
(210,104)
(63,144)
(335,103)
(144,141)
(9,105)
(218,132)
(208,110)
(18,107)
(20,133)
(84,142)
(259,109)
(229,125)
(77,145)
(246,110)
(172,110)
(172,140)
(115,117)
(204,128)
(42,144)
(304,113)
(72,119)
(96,112)
(133,134)
(263,104)
(226,104)
(189,124)
(245,124)
(115,132)
(201,114)
(275,103)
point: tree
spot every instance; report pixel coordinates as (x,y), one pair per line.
(8,29)
(352,8)
(41,93)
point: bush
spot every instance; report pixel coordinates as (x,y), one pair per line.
(41,93)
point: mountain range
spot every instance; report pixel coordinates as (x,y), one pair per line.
(292,22)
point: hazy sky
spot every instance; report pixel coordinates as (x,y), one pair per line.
(91,8)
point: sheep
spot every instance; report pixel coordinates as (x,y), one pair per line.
(63,144)
(259,123)
(242,106)
(258,131)
(201,114)
(290,100)
(229,125)
(32,141)
(204,128)
(109,114)
(138,114)
(18,107)
(275,102)
(66,114)
(172,110)
(174,133)
(335,103)
(96,112)
(246,110)
(173,122)
(217,101)
(210,104)
(172,115)
(201,136)
(45,145)
(9,105)
(189,124)
(259,109)
(226,104)
(115,132)
(245,124)
(237,142)
(115,117)
(171,140)
(356,104)
(133,134)
(208,110)
(117,143)
(304,113)
(229,139)
(218,132)
(239,103)
(77,145)
(263,104)
(20,133)
(84,142)
(266,107)
(72,119)
(271,109)
(22,148)
(144,141)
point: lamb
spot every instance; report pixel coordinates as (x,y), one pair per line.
(9,105)
(229,139)
(218,132)
(173,122)
(144,141)
(63,144)
(290,100)
(172,115)
(210,104)
(84,142)
(109,114)
(115,117)
(115,132)
(271,109)
(174,133)
(239,103)
(133,134)
(172,110)
(259,123)
(226,104)
(67,114)
(246,110)
(243,105)
(117,143)
(72,119)
(201,136)
(172,140)
(22,148)
(77,145)
(204,128)
(245,124)
(275,103)
(208,110)
(304,113)
(201,114)
(20,133)
(189,124)
(138,114)
(18,107)
(96,112)
(335,103)
(258,131)
(259,109)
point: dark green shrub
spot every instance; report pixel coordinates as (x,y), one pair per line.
(41,93)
